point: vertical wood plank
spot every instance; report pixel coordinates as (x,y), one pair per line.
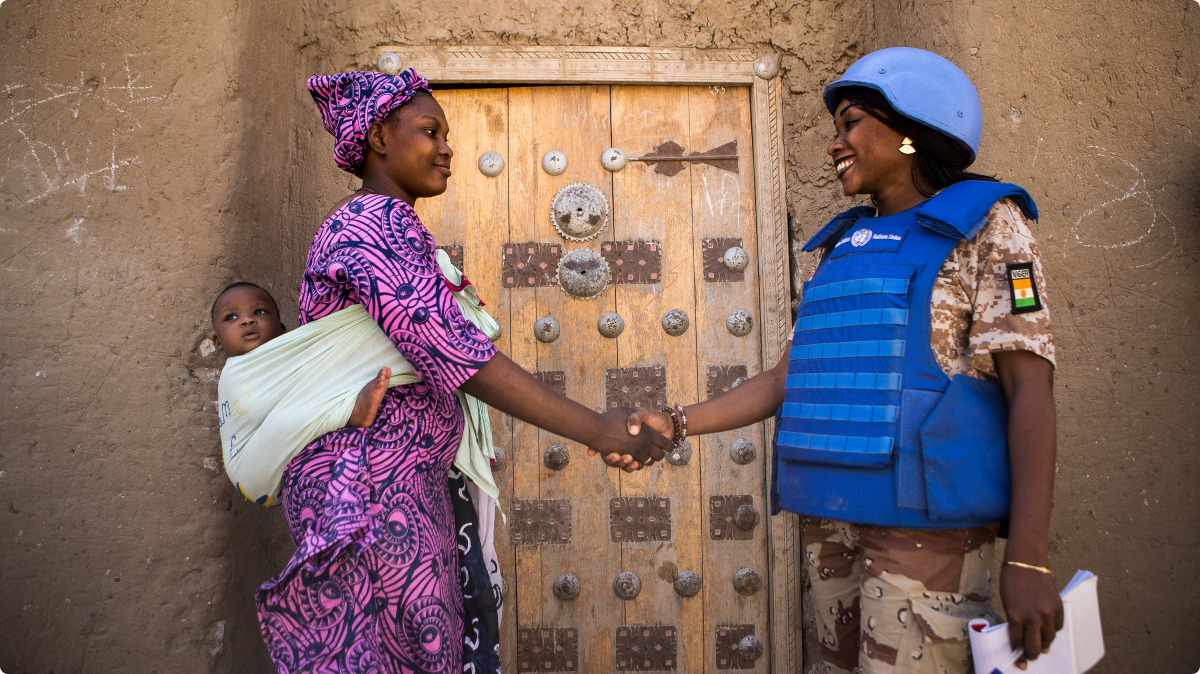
(723,207)
(573,120)
(525,588)
(771,205)
(474,214)
(653,206)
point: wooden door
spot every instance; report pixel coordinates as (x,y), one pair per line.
(668,226)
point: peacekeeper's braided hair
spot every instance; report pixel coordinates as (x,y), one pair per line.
(941,160)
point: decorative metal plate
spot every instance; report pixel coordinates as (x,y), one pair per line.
(646,648)
(583,274)
(547,649)
(721,378)
(456,255)
(713,253)
(721,510)
(639,519)
(579,212)
(635,387)
(555,379)
(728,638)
(633,261)
(530,265)
(541,521)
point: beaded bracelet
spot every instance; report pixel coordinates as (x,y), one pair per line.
(682,434)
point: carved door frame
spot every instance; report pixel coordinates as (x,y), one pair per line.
(661,66)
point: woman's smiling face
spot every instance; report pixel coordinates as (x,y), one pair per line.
(414,150)
(866,153)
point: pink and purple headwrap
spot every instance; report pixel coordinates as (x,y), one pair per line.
(351,102)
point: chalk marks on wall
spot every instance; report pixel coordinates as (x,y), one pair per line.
(64,138)
(1128,216)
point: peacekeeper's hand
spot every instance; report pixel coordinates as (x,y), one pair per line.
(630,451)
(655,421)
(1033,608)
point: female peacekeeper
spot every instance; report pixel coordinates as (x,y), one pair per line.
(918,380)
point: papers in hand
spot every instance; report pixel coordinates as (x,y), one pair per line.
(1077,647)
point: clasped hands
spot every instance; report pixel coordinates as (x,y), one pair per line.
(632,439)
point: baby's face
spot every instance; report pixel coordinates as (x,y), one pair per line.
(245,318)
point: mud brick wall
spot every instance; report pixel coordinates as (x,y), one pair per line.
(156,151)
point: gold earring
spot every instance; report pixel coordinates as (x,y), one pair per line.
(906,146)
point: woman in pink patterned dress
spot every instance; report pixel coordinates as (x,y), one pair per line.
(374,584)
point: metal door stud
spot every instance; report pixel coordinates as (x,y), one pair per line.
(491,164)
(566,587)
(687,583)
(554,162)
(675,322)
(610,324)
(579,212)
(742,451)
(627,585)
(739,323)
(546,329)
(747,581)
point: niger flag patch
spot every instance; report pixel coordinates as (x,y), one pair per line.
(1024,291)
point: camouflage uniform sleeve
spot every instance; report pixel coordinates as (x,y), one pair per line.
(1005,247)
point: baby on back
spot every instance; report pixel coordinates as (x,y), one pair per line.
(245,317)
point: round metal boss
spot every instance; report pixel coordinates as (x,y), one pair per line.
(613,159)
(750,648)
(745,517)
(546,329)
(579,212)
(735,259)
(610,324)
(583,274)
(556,457)
(491,164)
(627,585)
(554,162)
(675,322)
(680,455)
(687,583)
(501,459)
(739,323)
(747,581)
(742,451)
(389,62)
(566,587)
(766,66)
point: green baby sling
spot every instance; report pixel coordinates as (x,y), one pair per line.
(275,400)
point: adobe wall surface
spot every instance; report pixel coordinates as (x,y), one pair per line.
(155,152)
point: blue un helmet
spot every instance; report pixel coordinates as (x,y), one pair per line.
(921,86)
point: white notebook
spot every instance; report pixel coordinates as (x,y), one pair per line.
(1077,647)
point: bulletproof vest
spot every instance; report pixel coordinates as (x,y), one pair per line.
(872,431)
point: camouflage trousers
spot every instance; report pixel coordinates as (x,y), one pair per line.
(896,600)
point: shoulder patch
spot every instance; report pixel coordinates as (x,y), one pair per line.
(1025,298)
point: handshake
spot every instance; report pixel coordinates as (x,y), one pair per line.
(633,439)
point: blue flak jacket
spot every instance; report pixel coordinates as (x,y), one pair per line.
(872,431)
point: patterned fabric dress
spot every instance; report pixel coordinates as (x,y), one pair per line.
(375,583)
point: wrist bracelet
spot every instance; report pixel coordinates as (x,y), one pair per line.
(682,424)
(1031,567)
(670,411)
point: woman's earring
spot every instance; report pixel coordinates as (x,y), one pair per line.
(906,146)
